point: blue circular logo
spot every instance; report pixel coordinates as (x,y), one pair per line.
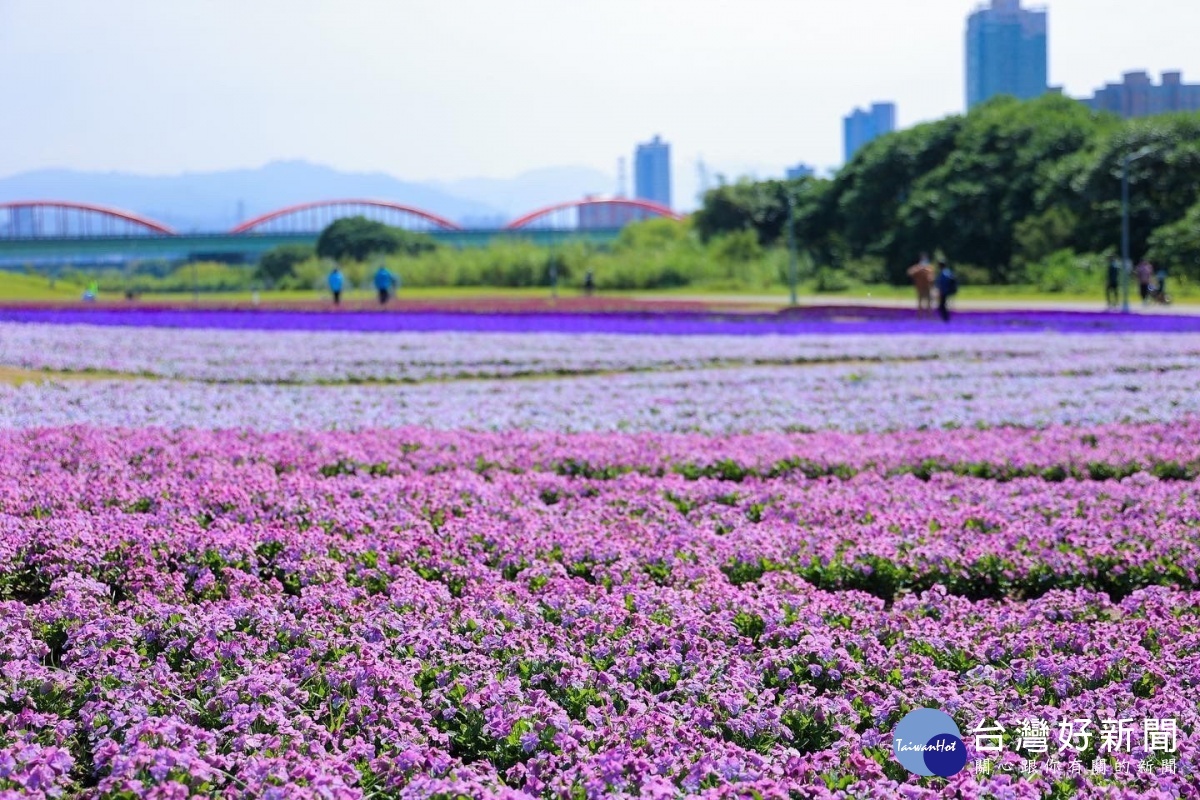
(928,742)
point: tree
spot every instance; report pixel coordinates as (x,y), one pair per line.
(1042,235)
(1177,246)
(993,178)
(880,186)
(1008,185)
(1163,184)
(960,185)
(760,206)
(358,238)
(279,263)
(652,234)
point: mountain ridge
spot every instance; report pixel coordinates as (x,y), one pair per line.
(218,200)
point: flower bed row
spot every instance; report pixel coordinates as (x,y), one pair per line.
(606,315)
(418,614)
(719,401)
(1165,451)
(299,356)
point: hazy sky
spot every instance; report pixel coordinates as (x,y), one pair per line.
(444,89)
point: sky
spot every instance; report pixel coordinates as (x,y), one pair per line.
(449,89)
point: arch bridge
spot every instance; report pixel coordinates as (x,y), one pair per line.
(63,219)
(315,217)
(591,213)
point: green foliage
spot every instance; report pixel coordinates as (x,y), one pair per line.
(278,265)
(654,254)
(830,280)
(749,625)
(204,276)
(740,247)
(1009,187)
(881,187)
(865,270)
(1008,193)
(1177,246)
(36,286)
(1163,184)
(652,234)
(503,262)
(1039,236)
(759,207)
(1064,271)
(358,238)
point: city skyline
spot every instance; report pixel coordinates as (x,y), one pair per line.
(1136,95)
(161,89)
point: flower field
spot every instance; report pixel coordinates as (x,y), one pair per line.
(455,380)
(339,564)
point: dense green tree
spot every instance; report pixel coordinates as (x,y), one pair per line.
(993,180)
(653,234)
(881,185)
(740,247)
(279,263)
(357,238)
(1163,184)
(1008,185)
(1041,235)
(761,207)
(1177,246)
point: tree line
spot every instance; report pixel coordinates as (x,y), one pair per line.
(1013,192)
(1010,191)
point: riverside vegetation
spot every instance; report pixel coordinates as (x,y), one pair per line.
(1013,194)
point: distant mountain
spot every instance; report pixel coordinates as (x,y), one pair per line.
(210,201)
(532,190)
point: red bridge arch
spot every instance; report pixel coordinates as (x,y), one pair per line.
(314,217)
(610,212)
(36,219)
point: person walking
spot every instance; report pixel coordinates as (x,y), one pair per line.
(921,274)
(1160,285)
(1112,289)
(336,282)
(385,281)
(1144,272)
(947,287)
(589,283)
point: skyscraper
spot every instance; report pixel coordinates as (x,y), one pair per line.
(799,171)
(652,172)
(1006,52)
(1137,96)
(862,126)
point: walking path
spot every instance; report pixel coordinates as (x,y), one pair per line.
(1068,303)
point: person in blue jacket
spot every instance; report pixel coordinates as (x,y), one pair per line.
(385,281)
(947,287)
(336,282)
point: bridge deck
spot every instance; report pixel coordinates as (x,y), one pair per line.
(241,247)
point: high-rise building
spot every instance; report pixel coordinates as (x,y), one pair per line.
(862,126)
(609,216)
(1137,96)
(800,171)
(652,172)
(1006,52)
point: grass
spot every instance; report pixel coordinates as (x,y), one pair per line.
(18,287)
(15,376)
(1182,294)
